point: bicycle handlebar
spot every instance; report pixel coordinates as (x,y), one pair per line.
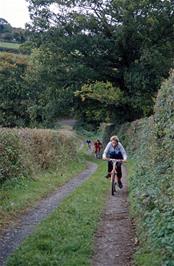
(117,160)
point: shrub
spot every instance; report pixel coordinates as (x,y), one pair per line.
(10,158)
(29,151)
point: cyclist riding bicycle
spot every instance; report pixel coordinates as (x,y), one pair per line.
(115,150)
(98,147)
(89,143)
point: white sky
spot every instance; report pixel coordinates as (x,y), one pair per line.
(15,12)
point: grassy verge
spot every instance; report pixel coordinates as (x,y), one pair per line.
(20,193)
(131,170)
(66,237)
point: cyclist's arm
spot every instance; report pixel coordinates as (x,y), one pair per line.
(123,152)
(105,153)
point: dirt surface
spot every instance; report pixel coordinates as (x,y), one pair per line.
(67,122)
(16,233)
(114,240)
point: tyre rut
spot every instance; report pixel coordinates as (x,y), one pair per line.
(114,239)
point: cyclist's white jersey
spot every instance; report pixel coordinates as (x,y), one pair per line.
(110,149)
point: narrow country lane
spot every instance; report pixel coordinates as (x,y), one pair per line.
(15,234)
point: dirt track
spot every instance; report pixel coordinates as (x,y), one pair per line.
(114,240)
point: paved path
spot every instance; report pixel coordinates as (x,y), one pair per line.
(15,234)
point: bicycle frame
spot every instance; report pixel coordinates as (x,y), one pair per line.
(114,175)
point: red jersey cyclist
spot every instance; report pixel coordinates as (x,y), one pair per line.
(98,147)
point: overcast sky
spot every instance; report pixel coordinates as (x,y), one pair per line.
(15,12)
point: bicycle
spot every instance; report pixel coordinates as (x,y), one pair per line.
(114,179)
(98,155)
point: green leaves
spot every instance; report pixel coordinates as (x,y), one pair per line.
(99,99)
(126,43)
(151,186)
(13,96)
(102,92)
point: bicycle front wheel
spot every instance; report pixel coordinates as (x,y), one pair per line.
(112,184)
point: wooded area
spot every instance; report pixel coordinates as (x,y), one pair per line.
(99,60)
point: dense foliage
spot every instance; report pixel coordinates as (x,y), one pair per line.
(53,96)
(118,50)
(27,96)
(99,100)
(14,96)
(26,152)
(128,43)
(150,143)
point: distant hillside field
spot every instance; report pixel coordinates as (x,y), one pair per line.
(9,45)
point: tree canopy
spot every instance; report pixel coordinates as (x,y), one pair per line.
(128,43)
(11,34)
(105,47)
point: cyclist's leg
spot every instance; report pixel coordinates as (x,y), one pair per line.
(115,173)
(110,167)
(119,175)
(119,170)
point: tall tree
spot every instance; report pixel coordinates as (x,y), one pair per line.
(5,26)
(14,98)
(127,42)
